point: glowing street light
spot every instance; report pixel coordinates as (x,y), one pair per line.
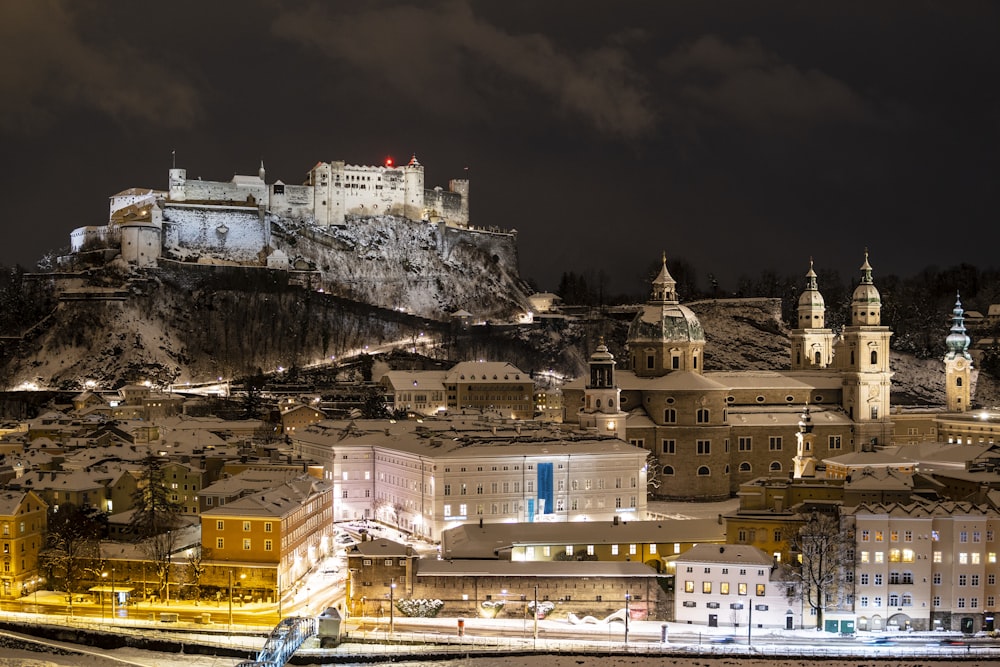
(392,611)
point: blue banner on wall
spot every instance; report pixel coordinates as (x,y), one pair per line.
(545,487)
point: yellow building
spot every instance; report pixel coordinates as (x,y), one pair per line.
(23,524)
(273,536)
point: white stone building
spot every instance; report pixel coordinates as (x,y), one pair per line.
(926,566)
(427,477)
(731,586)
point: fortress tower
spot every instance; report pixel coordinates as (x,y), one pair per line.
(958,363)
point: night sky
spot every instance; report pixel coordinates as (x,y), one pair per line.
(737,136)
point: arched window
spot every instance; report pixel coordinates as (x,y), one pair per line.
(703,415)
(703,471)
(817,357)
(745,467)
(611,402)
(874,357)
(667,470)
(598,404)
(958,382)
(669,416)
(775,466)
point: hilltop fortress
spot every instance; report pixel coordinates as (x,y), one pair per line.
(232,220)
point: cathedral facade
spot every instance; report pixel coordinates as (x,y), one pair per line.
(708,432)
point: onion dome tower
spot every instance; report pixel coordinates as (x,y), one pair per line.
(665,336)
(804,460)
(863,356)
(958,362)
(811,341)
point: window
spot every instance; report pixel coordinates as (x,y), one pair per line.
(703,471)
(741,588)
(774,443)
(267,526)
(963,580)
(864,579)
(669,446)
(866,535)
(614,549)
(669,416)
(689,587)
(220,525)
(963,558)
(745,444)
(569,550)
(936,557)
(835,442)
(246,544)
(246,526)
(704,447)
(702,416)
(220,543)
(963,536)
(936,601)
(267,545)
(775,466)
(590,549)
(745,467)
(706,587)
(761,588)
(879,536)
(878,579)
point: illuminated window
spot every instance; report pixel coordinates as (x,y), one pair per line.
(878,535)
(908,555)
(569,549)
(963,558)
(724,588)
(894,555)
(879,556)
(741,588)
(975,558)
(864,557)
(936,557)
(706,587)
(689,587)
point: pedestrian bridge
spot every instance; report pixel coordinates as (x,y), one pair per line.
(284,640)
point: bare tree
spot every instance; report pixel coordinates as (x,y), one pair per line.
(72,543)
(195,571)
(819,578)
(654,469)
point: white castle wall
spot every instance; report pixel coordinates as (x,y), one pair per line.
(240,233)
(126,198)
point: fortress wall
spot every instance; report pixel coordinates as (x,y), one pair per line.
(221,192)
(447,204)
(294,201)
(501,247)
(239,233)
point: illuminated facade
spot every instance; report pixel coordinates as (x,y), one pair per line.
(714,430)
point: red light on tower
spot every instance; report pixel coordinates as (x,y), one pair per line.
(389,162)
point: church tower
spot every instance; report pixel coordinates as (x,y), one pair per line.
(601,396)
(804,460)
(811,341)
(862,355)
(958,363)
(665,336)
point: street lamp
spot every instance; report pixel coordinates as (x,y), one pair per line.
(113,613)
(242,576)
(104,575)
(627,597)
(392,610)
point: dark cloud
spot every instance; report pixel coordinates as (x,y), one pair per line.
(718,82)
(434,55)
(739,136)
(51,70)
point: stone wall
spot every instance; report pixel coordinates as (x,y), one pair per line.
(238,233)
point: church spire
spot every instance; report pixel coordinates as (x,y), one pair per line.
(958,341)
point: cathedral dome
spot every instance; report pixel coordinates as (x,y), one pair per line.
(665,323)
(663,319)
